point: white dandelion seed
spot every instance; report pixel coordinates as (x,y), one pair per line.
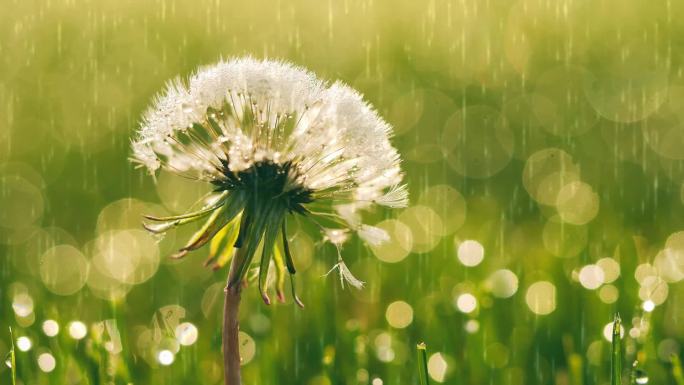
(336,236)
(374,236)
(345,274)
(275,141)
(396,197)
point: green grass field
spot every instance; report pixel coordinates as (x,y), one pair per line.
(543,147)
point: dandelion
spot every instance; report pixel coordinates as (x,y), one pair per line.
(275,142)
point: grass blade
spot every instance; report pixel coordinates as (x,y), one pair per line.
(13,360)
(616,353)
(677,370)
(574,361)
(422,364)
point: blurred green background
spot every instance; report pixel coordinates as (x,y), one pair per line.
(543,144)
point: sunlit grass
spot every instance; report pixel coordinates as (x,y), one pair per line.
(12,360)
(421,349)
(677,370)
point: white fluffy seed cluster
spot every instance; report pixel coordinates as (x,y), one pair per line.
(244,111)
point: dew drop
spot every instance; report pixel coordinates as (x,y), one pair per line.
(640,377)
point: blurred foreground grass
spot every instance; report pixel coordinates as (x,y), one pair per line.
(543,146)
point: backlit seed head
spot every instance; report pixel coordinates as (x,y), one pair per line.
(274,141)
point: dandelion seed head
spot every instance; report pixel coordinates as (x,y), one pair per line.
(277,141)
(338,140)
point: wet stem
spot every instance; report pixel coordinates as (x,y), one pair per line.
(231,327)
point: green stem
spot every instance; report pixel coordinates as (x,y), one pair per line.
(231,327)
(422,364)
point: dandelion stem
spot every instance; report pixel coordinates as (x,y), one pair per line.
(231,327)
(422,364)
(616,353)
